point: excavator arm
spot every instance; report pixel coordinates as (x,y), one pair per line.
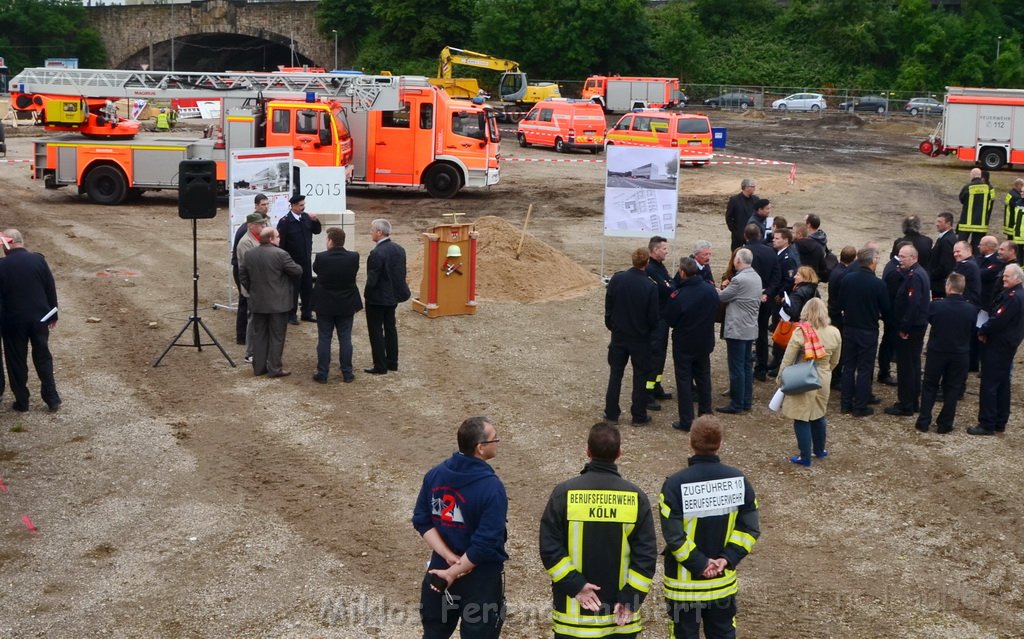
(450,56)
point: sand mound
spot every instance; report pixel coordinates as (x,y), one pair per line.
(540,274)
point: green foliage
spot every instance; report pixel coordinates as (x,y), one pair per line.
(33,30)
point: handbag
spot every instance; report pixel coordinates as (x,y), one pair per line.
(800,378)
(783,331)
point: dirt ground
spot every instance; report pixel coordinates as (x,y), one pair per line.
(194,500)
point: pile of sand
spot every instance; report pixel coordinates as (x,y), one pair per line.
(540,274)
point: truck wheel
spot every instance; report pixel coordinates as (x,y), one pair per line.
(522,140)
(559,145)
(106,185)
(442,181)
(992,159)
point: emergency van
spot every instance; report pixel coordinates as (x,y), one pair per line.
(984,126)
(565,125)
(691,134)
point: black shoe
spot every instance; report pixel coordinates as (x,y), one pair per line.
(644,419)
(54,407)
(348,379)
(887,380)
(375,371)
(662,395)
(240,342)
(293,321)
(679,426)
(320,379)
(922,428)
(610,420)
(761,377)
(393,368)
(978,430)
(653,405)
(845,411)
(874,401)
(897,411)
(21,408)
(944,431)
(862,412)
(729,410)
(308,318)
(773,373)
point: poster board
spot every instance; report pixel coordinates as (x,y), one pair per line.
(641,196)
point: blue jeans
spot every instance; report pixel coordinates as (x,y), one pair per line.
(326,326)
(741,373)
(810,434)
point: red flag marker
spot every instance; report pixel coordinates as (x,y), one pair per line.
(3,486)
(28,524)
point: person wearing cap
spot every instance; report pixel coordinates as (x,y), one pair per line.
(297,229)
(261,205)
(254,225)
(336,300)
(28,311)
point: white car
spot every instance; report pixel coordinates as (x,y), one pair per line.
(801,102)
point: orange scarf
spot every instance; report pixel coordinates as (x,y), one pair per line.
(813,346)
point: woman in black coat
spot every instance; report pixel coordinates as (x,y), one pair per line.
(805,287)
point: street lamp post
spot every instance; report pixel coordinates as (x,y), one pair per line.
(999,41)
(335,32)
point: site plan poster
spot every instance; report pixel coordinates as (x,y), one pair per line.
(641,195)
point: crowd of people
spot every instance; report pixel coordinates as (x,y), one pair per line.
(965,285)
(274,269)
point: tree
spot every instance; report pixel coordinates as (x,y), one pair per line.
(34,30)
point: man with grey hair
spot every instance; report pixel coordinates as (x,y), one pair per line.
(863,301)
(270,275)
(1001,334)
(739,210)
(385,289)
(912,233)
(702,256)
(28,310)
(743,295)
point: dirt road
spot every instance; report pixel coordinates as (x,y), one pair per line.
(193,500)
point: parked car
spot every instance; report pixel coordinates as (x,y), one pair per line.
(801,102)
(875,103)
(734,99)
(928,106)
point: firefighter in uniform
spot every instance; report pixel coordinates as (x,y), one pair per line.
(952,320)
(910,316)
(975,199)
(163,123)
(598,545)
(710,522)
(1002,334)
(1018,230)
(1010,203)
(656,270)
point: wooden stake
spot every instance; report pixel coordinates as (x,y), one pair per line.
(519,249)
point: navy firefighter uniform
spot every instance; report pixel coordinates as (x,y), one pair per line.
(708,511)
(952,320)
(1002,333)
(910,314)
(598,528)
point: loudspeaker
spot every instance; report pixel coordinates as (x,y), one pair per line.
(197,189)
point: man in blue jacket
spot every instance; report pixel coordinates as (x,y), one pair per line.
(461,514)
(691,312)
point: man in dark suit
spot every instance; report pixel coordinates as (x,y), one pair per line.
(385,289)
(691,313)
(739,210)
(631,314)
(968,267)
(335,300)
(1001,334)
(863,301)
(269,274)
(912,234)
(28,310)
(766,265)
(941,260)
(297,229)
(952,321)
(910,317)
(659,248)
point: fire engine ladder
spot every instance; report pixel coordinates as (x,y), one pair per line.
(361,92)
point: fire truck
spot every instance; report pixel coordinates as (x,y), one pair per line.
(619,94)
(386,131)
(984,126)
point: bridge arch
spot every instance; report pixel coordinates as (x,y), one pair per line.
(217,51)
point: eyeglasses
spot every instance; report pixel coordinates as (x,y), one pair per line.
(490,441)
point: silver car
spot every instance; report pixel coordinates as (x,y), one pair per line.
(801,102)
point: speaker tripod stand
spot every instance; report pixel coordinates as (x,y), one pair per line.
(194,321)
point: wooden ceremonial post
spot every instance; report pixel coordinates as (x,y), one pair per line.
(526,223)
(449,270)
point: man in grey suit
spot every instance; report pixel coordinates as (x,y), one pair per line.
(385,289)
(335,300)
(269,274)
(743,296)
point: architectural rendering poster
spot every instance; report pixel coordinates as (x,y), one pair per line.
(641,194)
(252,171)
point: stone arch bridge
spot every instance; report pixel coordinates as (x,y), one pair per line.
(214,35)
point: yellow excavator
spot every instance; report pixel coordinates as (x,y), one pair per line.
(513,88)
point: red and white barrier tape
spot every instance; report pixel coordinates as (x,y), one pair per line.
(515,159)
(13,161)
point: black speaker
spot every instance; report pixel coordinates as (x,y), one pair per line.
(197,189)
